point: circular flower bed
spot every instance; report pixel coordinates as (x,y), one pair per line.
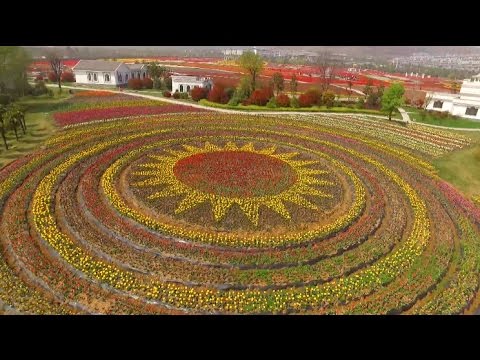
(209,213)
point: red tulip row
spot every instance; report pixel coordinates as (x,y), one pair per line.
(82,116)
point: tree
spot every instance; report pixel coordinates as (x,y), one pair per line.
(10,118)
(168,82)
(57,68)
(293,84)
(3,125)
(14,61)
(253,64)
(156,71)
(242,92)
(367,90)
(278,82)
(349,86)
(392,98)
(326,69)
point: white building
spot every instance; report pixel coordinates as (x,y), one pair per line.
(103,72)
(187,83)
(465,104)
(138,71)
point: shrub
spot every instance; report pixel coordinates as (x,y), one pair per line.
(176,95)
(199,93)
(272,103)
(167,94)
(218,94)
(242,91)
(282,100)
(260,97)
(52,77)
(315,95)
(419,103)
(294,102)
(184,95)
(68,77)
(229,91)
(360,103)
(40,89)
(328,98)
(135,84)
(306,100)
(38,78)
(147,83)
(234,101)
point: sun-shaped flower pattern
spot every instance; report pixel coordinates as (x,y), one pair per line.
(231,175)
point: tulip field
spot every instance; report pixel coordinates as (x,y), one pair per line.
(166,209)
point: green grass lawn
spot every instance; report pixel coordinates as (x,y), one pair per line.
(449,121)
(40,126)
(462,168)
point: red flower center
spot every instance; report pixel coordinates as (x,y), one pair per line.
(235,173)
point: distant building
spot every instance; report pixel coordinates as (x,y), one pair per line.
(187,83)
(233,54)
(103,72)
(465,104)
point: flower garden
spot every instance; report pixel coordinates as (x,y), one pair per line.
(88,106)
(187,212)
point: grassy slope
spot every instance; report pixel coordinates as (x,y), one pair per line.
(462,168)
(448,121)
(40,126)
